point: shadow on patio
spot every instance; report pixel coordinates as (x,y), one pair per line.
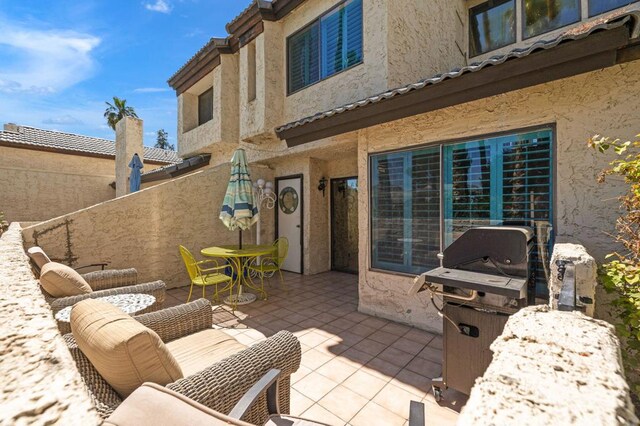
(356,369)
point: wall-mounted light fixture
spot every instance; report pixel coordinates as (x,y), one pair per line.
(322,185)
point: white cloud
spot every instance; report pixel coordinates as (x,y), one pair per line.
(159,6)
(63,119)
(151,89)
(44,61)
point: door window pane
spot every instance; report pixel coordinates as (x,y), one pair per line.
(205,106)
(541,16)
(597,7)
(405,214)
(491,25)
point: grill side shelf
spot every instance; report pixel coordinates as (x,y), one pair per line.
(488,283)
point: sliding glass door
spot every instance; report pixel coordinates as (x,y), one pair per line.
(423,195)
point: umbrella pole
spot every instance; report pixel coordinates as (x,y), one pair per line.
(240,239)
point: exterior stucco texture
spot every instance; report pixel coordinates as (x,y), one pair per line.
(40,384)
(603,102)
(552,367)
(143,230)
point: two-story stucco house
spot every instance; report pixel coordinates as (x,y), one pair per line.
(393,126)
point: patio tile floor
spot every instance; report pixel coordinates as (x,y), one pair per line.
(356,369)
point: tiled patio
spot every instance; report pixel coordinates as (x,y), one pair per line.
(356,369)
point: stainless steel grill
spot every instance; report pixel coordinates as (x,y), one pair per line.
(486,275)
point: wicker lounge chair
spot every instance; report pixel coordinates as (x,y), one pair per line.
(219,386)
(151,405)
(107,282)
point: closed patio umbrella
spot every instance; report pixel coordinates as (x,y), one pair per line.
(238,208)
(134,178)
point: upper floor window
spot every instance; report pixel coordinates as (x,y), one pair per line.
(597,7)
(330,44)
(541,16)
(205,107)
(492,25)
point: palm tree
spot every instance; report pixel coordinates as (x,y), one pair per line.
(117,111)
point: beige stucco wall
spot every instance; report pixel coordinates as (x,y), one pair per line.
(261,115)
(39,185)
(355,83)
(329,163)
(602,102)
(40,382)
(424,38)
(143,230)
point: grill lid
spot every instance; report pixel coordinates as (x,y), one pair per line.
(504,247)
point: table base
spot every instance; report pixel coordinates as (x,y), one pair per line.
(240,299)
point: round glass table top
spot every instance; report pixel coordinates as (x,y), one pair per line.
(129,303)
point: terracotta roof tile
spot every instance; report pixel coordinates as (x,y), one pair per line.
(34,137)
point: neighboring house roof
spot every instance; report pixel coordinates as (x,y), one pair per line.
(170,171)
(50,140)
(362,112)
(173,170)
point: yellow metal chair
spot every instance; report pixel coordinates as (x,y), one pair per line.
(204,277)
(270,264)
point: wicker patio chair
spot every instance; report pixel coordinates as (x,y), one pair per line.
(219,386)
(109,282)
(151,404)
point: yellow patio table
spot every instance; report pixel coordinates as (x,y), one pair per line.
(238,259)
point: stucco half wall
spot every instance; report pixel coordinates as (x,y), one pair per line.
(39,185)
(600,102)
(143,229)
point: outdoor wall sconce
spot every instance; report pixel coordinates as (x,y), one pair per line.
(322,185)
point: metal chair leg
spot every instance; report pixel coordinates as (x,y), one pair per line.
(190,291)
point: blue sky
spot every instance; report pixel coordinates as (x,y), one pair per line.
(61,60)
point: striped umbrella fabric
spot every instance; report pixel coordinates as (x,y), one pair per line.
(238,209)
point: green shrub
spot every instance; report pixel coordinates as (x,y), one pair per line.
(621,274)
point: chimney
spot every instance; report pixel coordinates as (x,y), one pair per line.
(128,142)
(11,127)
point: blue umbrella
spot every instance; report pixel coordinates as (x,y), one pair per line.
(238,208)
(134,179)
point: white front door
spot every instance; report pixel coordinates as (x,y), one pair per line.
(290,220)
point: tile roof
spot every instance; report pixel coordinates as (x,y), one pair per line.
(213,43)
(72,143)
(606,22)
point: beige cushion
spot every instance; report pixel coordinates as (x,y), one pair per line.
(153,405)
(38,256)
(125,352)
(200,350)
(60,280)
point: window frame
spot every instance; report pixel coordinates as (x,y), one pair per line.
(591,15)
(486,6)
(314,21)
(200,96)
(552,127)
(584,11)
(524,19)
